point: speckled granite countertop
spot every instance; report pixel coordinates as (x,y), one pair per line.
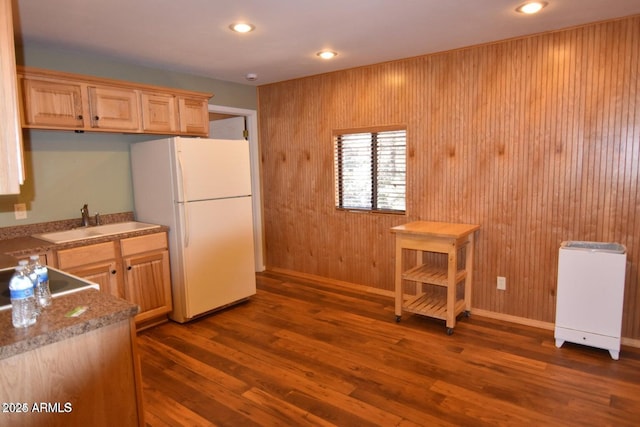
(53,326)
(22,246)
(17,242)
(19,246)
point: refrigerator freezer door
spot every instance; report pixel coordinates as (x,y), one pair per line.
(218,260)
(212,168)
(154,186)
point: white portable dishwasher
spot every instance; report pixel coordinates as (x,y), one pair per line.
(590,294)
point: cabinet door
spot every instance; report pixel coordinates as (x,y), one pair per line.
(194,116)
(113,108)
(104,274)
(159,112)
(96,263)
(52,104)
(147,283)
(11,164)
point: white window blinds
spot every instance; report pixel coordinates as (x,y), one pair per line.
(371,170)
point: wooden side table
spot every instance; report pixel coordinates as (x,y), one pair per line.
(437,237)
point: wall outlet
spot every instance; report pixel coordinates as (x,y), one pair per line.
(502,283)
(20,210)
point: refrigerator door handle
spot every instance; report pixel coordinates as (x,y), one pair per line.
(184,201)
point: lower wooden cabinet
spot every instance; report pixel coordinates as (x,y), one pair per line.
(96,263)
(134,268)
(46,258)
(147,280)
(92,378)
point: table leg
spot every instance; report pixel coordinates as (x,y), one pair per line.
(468,267)
(451,288)
(398,281)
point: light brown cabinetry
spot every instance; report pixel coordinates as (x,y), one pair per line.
(159,112)
(63,101)
(11,163)
(134,268)
(46,258)
(52,103)
(194,116)
(96,263)
(113,108)
(91,377)
(147,279)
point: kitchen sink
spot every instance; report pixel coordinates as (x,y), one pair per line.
(93,232)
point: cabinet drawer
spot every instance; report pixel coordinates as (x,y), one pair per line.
(46,258)
(84,255)
(140,244)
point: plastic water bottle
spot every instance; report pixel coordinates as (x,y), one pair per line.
(39,275)
(23,301)
(27,272)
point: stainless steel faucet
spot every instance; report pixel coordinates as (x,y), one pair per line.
(85,215)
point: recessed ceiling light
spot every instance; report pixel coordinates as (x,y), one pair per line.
(327,54)
(242,27)
(531,7)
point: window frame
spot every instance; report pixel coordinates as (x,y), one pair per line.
(338,186)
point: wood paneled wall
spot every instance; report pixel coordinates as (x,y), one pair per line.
(536,139)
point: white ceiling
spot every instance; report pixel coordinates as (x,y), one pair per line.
(192,36)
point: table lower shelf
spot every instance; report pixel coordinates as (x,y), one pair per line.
(431,306)
(432,275)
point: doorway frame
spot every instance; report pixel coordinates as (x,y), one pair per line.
(251,117)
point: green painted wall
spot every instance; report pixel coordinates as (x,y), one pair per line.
(66,170)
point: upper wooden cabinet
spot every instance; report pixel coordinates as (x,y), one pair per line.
(52,103)
(11,163)
(194,116)
(114,108)
(159,112)
(63,101)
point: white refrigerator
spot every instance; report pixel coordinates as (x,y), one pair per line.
(201,190)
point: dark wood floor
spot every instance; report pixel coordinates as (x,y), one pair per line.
(310,353)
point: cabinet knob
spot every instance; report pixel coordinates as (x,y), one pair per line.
(113,272)
(129,268)
(96,118)
(80,117)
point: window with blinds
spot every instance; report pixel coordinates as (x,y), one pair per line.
(370,170)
